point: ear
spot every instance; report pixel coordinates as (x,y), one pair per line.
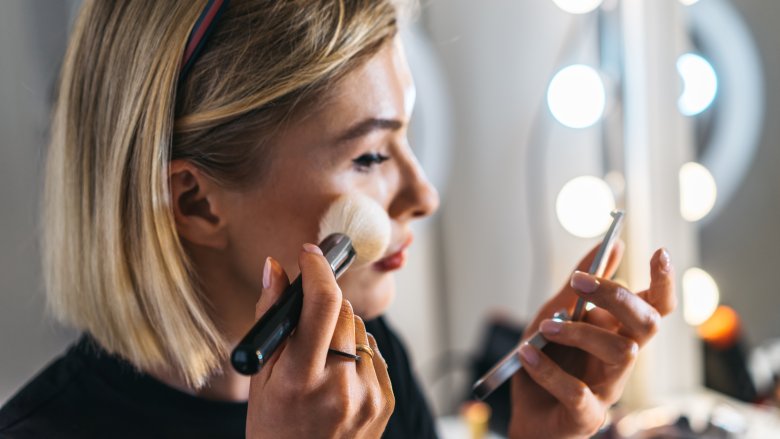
(197,205)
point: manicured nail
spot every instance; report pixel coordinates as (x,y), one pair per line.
(529,355)
(583,282)
(551,327)
(311,248)
(666,261)
(267,273)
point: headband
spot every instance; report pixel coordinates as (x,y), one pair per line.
(200,34)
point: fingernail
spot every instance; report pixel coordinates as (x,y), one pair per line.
(551,327)
(311,248)
(583,282)
(529,355)
(666,261)
(267,273)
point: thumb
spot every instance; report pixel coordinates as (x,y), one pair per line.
(275,281)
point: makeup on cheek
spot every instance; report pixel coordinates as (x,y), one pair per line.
(354,229)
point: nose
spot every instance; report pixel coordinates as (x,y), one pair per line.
(416,197)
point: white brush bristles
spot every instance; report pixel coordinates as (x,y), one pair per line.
(363,220)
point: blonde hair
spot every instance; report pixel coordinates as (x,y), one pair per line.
(114,265)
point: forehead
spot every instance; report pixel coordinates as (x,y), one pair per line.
(382,87)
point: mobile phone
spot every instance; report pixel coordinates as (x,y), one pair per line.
(510,364)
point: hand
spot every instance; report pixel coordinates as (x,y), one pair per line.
(304,392)
(566,390)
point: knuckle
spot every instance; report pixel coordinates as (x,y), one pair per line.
(337,406)
(546,375)
(389,405)
(327,296)
(622,295)
(628,351)
(346,308)
(578,397)
(651,322)
(359,323)
(371,407)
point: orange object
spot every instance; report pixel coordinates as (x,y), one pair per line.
(476,414)
(722,329)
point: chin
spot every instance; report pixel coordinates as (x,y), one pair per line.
(369,291)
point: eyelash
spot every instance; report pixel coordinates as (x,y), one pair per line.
(365,162)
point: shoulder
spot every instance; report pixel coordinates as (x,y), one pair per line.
(41,401)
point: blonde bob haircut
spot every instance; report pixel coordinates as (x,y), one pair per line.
(114,265)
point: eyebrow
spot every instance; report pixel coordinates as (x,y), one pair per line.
(368,126)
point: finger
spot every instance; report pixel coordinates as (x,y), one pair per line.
(607,346)
(661,294)
(275,281)
(573,394)
(601,318)
(383,376)
(322,299)
(366,366)
(382,369)
(638,319)
(374,405)
(376,428)
(344,336)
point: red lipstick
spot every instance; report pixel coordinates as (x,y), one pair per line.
(395,260)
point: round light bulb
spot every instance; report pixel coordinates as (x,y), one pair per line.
(583,206)
(700,296)
(698,191)
(700,84)
(576,96)
(578,6)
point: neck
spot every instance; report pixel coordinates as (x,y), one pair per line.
(227,386)
(232,305)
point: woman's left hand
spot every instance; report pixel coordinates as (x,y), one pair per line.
(566,390)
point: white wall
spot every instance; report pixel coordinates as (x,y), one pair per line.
(32,39)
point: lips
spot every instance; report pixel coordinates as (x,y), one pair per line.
(395,260)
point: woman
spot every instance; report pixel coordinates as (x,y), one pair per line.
(175,198)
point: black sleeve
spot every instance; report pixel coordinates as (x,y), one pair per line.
(412,417)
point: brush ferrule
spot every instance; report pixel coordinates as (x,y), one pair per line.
(339,252)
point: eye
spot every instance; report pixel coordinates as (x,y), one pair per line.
(366,161)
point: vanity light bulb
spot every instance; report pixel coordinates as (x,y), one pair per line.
(700,296)
(576,96)
(698,191)
(578,6)
(583,206)
(700,84)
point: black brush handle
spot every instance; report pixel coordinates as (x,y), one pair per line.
(270,331)
(280,320)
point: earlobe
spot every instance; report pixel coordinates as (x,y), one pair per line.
(196,200)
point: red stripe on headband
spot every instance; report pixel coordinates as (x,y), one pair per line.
(200,31)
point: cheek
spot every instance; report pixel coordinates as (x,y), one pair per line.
(275,227)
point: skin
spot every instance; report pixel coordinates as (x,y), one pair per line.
(247,244)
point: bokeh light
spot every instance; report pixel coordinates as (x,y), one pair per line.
(700,84)
(700,296)
(698,191)
(583,206)
(576,96)
(578,6)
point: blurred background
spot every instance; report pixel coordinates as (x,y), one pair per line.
(535,118)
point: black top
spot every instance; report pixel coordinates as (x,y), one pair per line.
(89,393)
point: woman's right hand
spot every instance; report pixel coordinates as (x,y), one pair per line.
(303,391)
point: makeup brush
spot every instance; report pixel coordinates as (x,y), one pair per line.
(353,229)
